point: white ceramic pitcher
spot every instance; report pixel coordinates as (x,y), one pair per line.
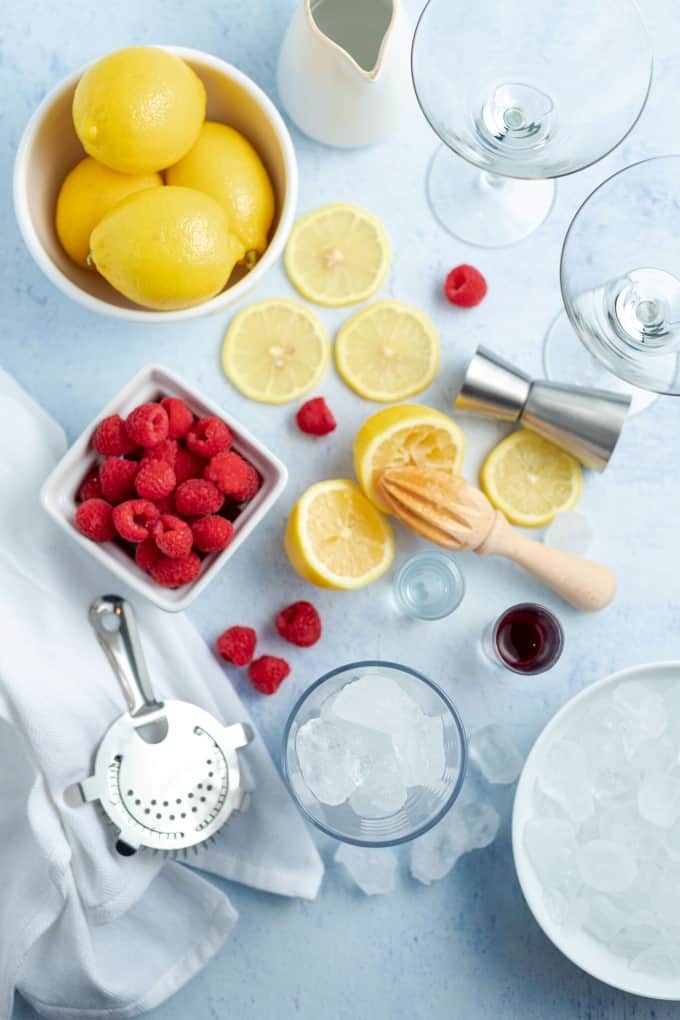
(344,69)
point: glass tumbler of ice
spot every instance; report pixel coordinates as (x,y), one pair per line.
(374,753)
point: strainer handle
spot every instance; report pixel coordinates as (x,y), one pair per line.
(121,645)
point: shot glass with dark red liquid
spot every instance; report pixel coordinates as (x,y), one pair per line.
(525,639)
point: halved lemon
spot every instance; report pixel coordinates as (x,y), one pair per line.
(338,255)
(406,434)
(388,351)
(530,479)
(275,351)
(336,539)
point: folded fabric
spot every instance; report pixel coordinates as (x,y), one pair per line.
(87,933)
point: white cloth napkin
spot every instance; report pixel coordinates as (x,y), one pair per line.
(85,933)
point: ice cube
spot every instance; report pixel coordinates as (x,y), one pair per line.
(420,751)
(482,822)
(567,910)
(646,706)
(551,846)
(610,719)
(662,961)
(659,799)
(605,866)
(604,919)
(373,870)
(672,842)
(655,756)
(635,938)
(382,792)
(564,777)
(495,755)
(470,826)
(570,532)
(376,701)
(328,767)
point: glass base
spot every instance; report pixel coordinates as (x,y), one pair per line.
(483,209)
(567,360)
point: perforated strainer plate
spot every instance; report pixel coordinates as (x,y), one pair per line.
(167,774)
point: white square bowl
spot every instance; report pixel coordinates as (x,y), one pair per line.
(59,492)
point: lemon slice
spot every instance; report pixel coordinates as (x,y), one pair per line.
(531,480)
(404,435)
(275,351)
(388,351)
(338,255)
(336,539)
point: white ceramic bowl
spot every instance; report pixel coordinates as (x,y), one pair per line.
(58,494)
(578,946)
(49,148)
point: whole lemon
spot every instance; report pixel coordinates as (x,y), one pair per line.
(166,248)
(87,194)
(224,164)
(138,110)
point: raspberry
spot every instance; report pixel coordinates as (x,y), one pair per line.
(93,519)
(167,451)
(250,488)
(300,624)
(110,437)
(132,519)
(267,673)
(180,418)
(90,487)
(173,536)
(147,425)
(187,465)
(208,437)
(229,472)
(198,497)
(117,479)
(173,573)
(147,555)
(315,418)
(155,480)
(212,534)
(165,506)
(237,645)
(465,286)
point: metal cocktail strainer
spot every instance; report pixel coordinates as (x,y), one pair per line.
(167,772)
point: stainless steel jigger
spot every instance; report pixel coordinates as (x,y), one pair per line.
(585,422)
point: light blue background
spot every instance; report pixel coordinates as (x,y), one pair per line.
(466,947)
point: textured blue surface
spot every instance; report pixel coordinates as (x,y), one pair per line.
(466,947)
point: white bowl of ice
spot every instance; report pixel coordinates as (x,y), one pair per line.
(374,753)
(596,830)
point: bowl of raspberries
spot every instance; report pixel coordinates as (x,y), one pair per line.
(163,487)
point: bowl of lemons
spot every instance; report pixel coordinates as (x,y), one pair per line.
(159,183)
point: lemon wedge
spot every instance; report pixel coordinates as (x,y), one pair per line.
(338,255)
(275,351)
(408,434)
(388,351)
(337,539)
(530,479)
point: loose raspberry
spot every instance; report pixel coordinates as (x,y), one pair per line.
(147,425)
(165,506)
(465,286)
(173,573)
(267,673)
(230,473)
(111,439)
(237,645)
(147,555)
(90,487)
(133,519)
(212,534)
(198,497)
(173,536)
(300,624)
(167,451)
(315,418)
(117,479)
(208,437)
(187,465)
(180,418)
(155,480)
(93,519)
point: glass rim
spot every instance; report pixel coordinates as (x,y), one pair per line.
(548,612)
(595,349)
(439,555)
(455,789)
(483,167)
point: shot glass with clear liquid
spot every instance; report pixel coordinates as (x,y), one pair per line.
(526,639)
(429,586)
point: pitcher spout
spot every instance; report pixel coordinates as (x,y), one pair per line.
(358,31)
